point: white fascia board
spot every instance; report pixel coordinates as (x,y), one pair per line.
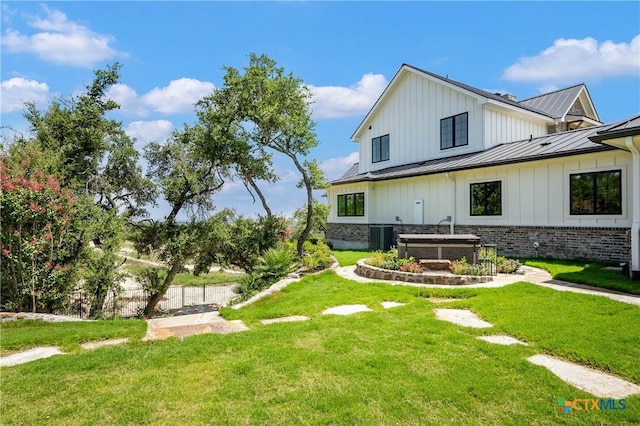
(585,92)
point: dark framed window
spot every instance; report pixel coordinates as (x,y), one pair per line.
(380,149)
(351,204)
(454,131)
(486,198)
(596,193)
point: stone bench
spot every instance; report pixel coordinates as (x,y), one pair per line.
(436,264)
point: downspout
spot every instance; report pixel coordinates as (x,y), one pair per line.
(452,223)
(635,207)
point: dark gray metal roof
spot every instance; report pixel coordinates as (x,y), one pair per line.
(628,127)
(551,146)
(353,170)
(557,103)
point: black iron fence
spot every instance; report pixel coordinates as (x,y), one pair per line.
(131,302)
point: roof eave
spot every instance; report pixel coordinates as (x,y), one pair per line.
(369,178)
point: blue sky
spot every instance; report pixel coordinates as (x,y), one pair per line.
(173,53)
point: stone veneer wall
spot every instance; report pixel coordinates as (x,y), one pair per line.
(559,242)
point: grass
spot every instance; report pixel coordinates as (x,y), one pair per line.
(350,257)
(396,366)
(24,334)
(589,273)
(135,267)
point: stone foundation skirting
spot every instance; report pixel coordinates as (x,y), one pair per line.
(443,278)
(554,242)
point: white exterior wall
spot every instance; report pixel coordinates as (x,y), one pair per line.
(411,117)
(332,196)
(501,127)
(533,194)
(396,198)
(537,193)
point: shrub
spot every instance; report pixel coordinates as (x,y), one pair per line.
(413,267)
(508,266)
(275,263)
(462,267)
(316,256)
(378,258)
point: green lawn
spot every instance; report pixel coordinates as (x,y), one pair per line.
(350,257)
(590,273)
(396,366)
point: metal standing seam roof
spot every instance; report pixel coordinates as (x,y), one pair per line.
(555,103)
(550,146)
(630,126)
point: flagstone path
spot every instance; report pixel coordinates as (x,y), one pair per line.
(462,317)
(589,380)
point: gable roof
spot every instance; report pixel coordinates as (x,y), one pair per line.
(559,102)
(545,147)
(478,93)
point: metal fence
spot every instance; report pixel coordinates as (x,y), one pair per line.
(131,302)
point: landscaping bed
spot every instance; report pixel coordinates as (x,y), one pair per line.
(429,277)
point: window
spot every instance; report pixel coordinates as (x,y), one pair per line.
(454,131)
(596,193)
(380,149)
(351,204)
(486,199)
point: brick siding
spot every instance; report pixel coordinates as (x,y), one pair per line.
(603,244)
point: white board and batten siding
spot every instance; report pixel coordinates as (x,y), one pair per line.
(537,193)
(354,188)
(501,127)
(398,198)
(533,194)
(411,118)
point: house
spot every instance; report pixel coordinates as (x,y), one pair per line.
(537,177)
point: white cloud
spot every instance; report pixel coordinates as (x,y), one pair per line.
(338,101)
(129,101)
(16,91)
(334,168)
(179,96)
(61,41)
(571,60)
(149,131)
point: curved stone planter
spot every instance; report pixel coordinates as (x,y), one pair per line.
(443,278)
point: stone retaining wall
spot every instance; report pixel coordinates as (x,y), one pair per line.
(443,278)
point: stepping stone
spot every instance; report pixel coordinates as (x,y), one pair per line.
(345,310)
(110,342)
(502,340)
(462,317)
(293,318)
(389,305)
(188,325)
(595,382)
(30,355)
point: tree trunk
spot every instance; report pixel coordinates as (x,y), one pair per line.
(307,229)
(158,295)
(261,196)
